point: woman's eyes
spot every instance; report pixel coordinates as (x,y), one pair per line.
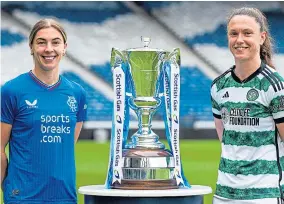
(245,33)
(233,34)
(44,43)
(248,33)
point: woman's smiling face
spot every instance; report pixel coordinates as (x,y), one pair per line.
(48,47)
(244,37)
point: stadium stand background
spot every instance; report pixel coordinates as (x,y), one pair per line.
(93,28)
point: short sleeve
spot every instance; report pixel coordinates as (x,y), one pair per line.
(8,105)
(82,106)
(215,107)
(277,106)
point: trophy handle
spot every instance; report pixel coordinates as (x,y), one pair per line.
(131,104)
(174,57)
(117,58)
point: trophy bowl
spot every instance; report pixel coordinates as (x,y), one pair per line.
(146,164)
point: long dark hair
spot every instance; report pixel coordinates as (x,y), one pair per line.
(266,49)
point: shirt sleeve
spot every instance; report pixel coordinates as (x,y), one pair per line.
(277,106)
(8,105)
(275,97)
(82,106)
(215,107)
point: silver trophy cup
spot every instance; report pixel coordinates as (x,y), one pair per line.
(146,163)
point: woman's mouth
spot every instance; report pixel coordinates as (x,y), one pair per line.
(240,48)
(48,58)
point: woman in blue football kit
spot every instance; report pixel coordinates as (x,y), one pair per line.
(42,114)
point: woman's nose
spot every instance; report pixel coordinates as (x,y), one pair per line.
(49,47)
(240,38)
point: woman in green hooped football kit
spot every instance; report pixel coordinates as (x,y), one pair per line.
(248,109)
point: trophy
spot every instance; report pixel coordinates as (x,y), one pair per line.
(143,163)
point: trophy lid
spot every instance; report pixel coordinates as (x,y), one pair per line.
(145,41)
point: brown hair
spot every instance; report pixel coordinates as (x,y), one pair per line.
(266,49)
(46,23)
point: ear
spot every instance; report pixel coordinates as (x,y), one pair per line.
(263,36)
(31,49)
(64,50)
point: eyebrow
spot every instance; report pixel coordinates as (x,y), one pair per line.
(45,39)
(246,29)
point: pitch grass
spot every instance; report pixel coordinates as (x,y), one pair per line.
(200,160)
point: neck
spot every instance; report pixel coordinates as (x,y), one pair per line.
(245,68)
(47,77)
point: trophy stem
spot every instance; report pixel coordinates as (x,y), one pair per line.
(144,121)
(145,137)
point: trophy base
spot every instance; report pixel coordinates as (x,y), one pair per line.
(146,185)
(147,169)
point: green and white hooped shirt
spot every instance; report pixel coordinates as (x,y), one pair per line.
(252,160)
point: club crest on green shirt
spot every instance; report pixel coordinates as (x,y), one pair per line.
(252,95)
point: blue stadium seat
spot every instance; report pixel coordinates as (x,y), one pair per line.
(103,71)
(76,12)
(8,38)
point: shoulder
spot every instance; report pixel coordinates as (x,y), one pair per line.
(13,86)
(273,78)
(222,76)
(75,87)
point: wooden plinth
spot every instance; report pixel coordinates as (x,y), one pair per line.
(146,185)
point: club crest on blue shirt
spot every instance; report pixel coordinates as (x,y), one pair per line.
(72,103)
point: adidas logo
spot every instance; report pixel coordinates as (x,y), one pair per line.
(226,95)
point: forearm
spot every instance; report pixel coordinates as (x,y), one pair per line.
(4,163)
(219,128)
(220,133)
(77,131)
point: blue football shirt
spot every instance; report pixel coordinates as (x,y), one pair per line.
(41,166)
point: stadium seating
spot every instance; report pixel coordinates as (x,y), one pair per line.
(210,39)
(104,71)
(8,38)
(75,12)
(95,27)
